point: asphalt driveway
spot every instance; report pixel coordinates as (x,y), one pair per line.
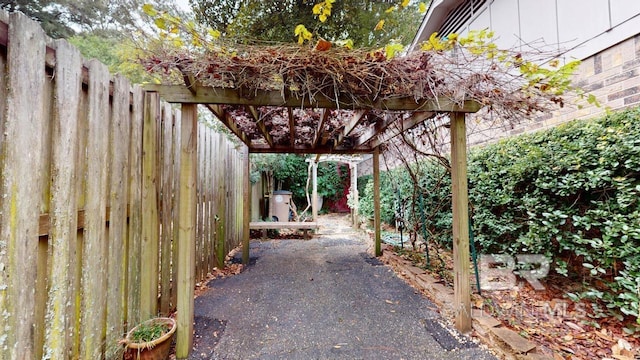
(324,298)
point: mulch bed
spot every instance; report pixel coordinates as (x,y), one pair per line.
(561,328)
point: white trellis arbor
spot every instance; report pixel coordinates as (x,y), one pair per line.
(352,161)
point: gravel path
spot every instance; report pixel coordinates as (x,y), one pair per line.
(324,298)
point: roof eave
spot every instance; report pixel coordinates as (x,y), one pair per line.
(436,15)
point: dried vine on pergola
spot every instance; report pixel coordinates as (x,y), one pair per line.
(507,82)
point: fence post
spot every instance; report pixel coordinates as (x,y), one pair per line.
(187,225)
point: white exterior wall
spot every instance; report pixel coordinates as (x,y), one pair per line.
(604,35)
(580,27)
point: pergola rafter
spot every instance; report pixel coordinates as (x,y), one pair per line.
(319,138)
(260,124)
(228,121)
(377,128)
(356,119)
(400,126)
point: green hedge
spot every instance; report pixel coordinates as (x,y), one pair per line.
(571,193)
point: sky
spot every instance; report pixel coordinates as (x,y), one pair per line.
(183,4)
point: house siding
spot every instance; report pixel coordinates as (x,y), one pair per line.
(603,34)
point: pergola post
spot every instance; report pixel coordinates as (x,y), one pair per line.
(462,296)
(246,210)
(376,200)
(187,229)
(354,193)
(314,197)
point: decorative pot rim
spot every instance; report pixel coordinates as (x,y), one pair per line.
(150,344)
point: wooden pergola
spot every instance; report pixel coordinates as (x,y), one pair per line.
(401,114)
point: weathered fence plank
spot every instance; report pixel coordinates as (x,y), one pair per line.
(206,198)
(211,183)
(119,173)
(135,209)
(94,284)
(167,216)
(75,285)
(150,222)
(187,224)
(4,18)
(175,206)
(221,201)
(44,173)
(20,188)
(63,219)
(199,201)
(80,254)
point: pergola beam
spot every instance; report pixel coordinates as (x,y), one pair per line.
(208,95)
(306,149)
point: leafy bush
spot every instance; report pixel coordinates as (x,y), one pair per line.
(290,173)
(570,193)
(387,201)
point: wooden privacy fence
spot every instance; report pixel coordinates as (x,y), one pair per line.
(89,180)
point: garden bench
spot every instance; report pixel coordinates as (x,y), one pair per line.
(276,225)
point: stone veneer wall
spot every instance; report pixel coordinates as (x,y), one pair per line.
(612,75)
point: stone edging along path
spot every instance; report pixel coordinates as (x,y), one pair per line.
(506,343)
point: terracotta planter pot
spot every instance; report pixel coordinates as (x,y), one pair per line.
(153,350)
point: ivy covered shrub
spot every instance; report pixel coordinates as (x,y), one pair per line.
(387,197)
(571,193)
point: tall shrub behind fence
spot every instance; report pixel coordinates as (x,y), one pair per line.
(88,200)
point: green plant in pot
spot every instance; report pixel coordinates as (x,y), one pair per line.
(150,340)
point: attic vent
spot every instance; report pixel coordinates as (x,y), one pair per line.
(460,16)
